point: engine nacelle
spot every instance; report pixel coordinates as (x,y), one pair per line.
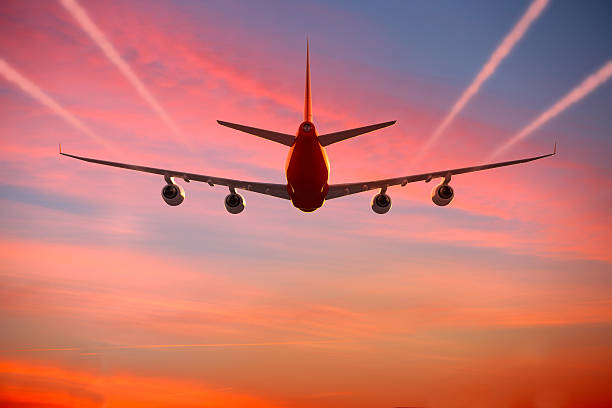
(173,194)
(234,203)
(381,203)
(442,194)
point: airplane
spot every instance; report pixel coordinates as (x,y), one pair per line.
(307,169)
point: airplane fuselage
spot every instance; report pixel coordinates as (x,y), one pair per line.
(307,170)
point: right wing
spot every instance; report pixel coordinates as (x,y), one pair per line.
(277,137)
(275,190)
(339,190)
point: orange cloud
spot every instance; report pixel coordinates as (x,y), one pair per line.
(29,384)
(180,303)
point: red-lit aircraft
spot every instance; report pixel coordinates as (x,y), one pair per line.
(307,169)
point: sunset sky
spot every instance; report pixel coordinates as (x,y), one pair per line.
(110,298)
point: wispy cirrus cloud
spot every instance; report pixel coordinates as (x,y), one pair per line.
(501,52)
(591,83)
(176,346)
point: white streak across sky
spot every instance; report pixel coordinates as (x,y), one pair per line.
(85,22)
(587,86)
(35,92)
(505,47)
(95,349)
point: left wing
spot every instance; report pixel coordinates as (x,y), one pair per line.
(275,190)
(339,190)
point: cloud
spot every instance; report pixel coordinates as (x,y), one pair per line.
(26,384)
(175,346)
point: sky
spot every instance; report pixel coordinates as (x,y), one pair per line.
(110,298)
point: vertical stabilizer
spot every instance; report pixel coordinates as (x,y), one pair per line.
(308,96)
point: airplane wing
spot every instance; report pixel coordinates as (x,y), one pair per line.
(339,190)
(275,190)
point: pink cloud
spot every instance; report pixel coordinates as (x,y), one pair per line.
(192,300)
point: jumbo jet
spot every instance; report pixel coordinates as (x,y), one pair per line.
(307,169)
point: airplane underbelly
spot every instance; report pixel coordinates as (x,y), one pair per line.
(307,196)
(307,173)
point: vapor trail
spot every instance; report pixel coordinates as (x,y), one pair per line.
(506,46)
(196,345)
(35,92)
(79,14)
(587,86)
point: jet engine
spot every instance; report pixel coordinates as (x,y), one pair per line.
(442,194)
(234,203)
(381,203)
(173,194)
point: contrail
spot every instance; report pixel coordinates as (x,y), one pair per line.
(35,92)
(196,345)
(587,86)
(81,16)
(506,46)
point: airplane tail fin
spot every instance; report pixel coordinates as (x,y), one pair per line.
(308,95)
(330,138)
(324,140)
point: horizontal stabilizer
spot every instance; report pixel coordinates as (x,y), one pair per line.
(277,137)
(330,138)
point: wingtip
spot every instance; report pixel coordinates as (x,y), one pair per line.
(60,148)
(555,148)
